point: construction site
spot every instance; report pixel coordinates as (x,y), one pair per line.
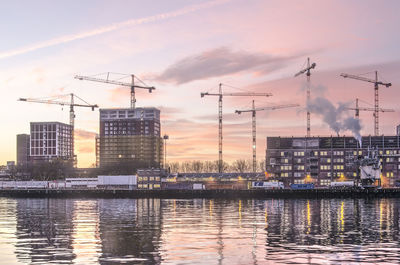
(132,137)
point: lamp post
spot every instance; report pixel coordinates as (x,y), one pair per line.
(165,137)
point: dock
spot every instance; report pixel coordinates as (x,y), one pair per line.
(208,194)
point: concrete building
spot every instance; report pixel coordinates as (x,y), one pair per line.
(50,140)
(322,160)
(150,178)
(23,150)
(129,136)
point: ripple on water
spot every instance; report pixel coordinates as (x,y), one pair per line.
(199,231)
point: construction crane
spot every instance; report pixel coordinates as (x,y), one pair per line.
(376,88)
(358,109)
(71,105)
(220,95)
(253,110)
(132,84)
(307,70)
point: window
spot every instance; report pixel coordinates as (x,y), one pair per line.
(298,174)
(321,153)
(325,167)
(299,181)
(338,153)
(325,182)
(286,167)
(298,153)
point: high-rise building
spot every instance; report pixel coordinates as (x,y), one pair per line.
(50,140)
(129,136)
(322,160)
(23,150)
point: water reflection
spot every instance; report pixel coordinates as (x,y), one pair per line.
(201,231)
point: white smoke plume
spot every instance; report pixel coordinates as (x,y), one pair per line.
(335,117)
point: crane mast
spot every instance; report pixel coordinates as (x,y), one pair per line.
(132,84)
(220,95)
(376,95)
(307,70)
(253,111)
(71,105)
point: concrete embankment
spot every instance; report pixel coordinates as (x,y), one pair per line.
(188,194)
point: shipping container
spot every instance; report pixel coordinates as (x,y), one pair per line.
(117,180)
(226,186)
(177,186)
(308,186)
(81,183)
(198,186)
(57,184)
(267,185)
(342,184)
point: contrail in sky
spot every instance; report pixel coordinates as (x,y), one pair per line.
(112,27)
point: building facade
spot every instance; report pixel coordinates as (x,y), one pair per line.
(23,150)
(129,136)
(322,160)
(150,178)
(50,140)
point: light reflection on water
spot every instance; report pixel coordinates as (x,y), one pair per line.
(198,231)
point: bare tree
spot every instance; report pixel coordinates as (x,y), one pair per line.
(186,167)
(209,167)
(174,167)
(261,165)
(197,166)
(240,166)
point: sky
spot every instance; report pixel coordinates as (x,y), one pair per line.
(185,47)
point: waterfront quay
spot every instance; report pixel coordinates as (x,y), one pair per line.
(218,194)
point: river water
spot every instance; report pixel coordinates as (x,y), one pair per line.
(199,231)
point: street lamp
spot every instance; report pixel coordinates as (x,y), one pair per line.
(166,137)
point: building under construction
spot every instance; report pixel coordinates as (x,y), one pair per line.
(129,136)
(322,160)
